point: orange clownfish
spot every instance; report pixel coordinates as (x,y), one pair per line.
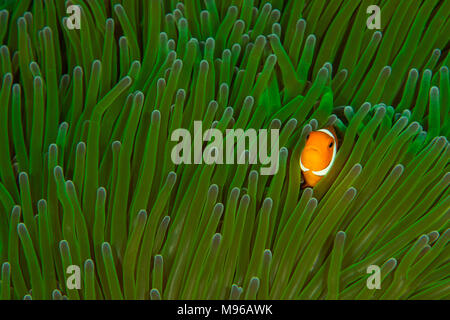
(318,156)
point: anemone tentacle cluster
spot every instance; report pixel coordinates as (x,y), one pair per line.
(86,177)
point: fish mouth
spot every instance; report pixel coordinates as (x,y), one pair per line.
(315,149)
(309,157)
(311,154)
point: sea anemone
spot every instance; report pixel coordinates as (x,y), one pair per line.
(87,180)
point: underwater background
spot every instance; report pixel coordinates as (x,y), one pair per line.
(86,176)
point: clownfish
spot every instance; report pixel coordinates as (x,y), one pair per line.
(319,154)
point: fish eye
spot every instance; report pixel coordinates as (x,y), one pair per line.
(331,145)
